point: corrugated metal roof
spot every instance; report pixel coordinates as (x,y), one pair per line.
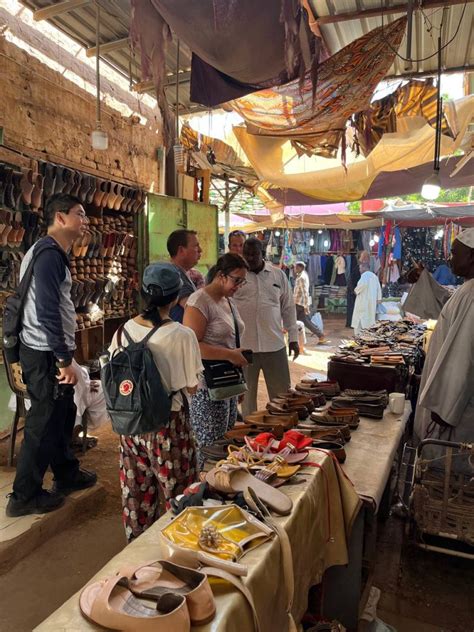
(426,28)
(80,23)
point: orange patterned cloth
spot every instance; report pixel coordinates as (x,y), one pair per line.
(346,82)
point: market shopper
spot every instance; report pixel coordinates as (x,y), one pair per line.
(46,353)
(211,314)
(236,242)
(302,301)
(184,251)
(164,460)
(368,293)
(445,407)
(267,308)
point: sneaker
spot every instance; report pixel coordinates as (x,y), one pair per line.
(322,341)
(42,503)
(81,480)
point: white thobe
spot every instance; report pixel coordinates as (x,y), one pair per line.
(447,382)
(368,292)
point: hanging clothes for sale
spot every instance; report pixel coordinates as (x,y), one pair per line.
(329,267)
(340,265)
(314,269)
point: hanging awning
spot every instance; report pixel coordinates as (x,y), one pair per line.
(276,162)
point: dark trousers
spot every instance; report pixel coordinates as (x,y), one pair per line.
(306,320)
(48,426)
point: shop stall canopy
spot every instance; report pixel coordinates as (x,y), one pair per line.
(425,214)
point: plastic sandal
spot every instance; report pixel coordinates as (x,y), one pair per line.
(111,605)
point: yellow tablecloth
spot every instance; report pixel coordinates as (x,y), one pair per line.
(325,505)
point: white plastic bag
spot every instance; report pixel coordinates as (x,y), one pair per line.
(317,320)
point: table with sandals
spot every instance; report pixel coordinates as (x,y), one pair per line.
(280,508)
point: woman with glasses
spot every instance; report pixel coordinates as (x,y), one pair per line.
(210,314)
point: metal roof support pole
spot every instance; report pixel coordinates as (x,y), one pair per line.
(97,66)
(176,116)
(409,63)
(226,213)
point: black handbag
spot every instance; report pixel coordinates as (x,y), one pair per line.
(223,379)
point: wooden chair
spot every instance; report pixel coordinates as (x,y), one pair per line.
(15,381)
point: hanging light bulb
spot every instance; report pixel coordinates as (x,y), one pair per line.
(439,234)
(311,242)
(277,233)
(320,232)
(371,243)
(431,187)
(376,239)
(326,243)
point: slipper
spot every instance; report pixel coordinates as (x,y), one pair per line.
(153,579)
(231,479)
(116,608)
(311,429)
(265,419)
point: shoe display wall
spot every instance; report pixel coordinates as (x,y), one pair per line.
(104,266)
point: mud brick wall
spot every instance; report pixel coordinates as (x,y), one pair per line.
(51,118)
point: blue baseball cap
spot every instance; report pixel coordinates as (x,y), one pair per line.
(164,275)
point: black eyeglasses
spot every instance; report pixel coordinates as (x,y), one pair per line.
(237,280)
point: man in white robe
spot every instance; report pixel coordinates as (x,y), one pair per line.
(368,293)
(445,407)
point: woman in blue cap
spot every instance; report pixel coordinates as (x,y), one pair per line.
(165,459)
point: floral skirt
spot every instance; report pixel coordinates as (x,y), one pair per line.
(211,420)
(154,468)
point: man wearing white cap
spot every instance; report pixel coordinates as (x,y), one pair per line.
(445,407)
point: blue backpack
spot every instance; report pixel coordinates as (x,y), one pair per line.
(135,397)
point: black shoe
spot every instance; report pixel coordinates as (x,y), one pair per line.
(81,480)
(40,504)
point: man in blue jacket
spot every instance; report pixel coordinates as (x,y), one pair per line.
(47,344)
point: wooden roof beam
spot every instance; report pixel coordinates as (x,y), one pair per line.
(397,8)
(46,13)
(430,73)
(108,47)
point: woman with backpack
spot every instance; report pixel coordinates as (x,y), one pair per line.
(165,459)
(212,315)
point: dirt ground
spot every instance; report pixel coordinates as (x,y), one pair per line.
(420,590)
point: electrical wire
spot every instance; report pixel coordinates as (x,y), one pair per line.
(429,56)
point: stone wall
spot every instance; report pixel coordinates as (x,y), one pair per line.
(49,117)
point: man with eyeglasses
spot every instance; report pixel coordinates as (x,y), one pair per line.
(266,306)
(47,343)
(236,242)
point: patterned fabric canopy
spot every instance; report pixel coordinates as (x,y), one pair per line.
(346,82)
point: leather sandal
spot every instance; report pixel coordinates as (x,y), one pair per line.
(154,579)
(232,479)
(107,604)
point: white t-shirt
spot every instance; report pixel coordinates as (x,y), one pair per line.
(176,353)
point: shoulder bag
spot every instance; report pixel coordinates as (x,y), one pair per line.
(223,379)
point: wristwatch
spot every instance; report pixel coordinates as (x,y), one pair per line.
(62,364)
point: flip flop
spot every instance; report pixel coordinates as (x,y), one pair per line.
(153,579)
(110,605)
(231,479)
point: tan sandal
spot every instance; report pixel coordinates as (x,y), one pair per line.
(153,579)
(108,604)
(231,479)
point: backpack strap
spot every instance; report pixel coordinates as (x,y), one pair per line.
(25,282)
(144,340)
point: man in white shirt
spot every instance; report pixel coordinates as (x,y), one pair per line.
(368,293)
(266,306)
